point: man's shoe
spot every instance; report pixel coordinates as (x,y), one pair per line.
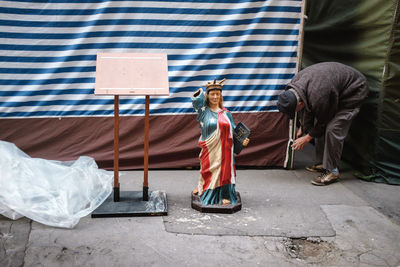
(315,168)
(325,178)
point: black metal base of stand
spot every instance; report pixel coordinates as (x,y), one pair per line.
(131,204)
(145,193)
(216,208)
(116,193)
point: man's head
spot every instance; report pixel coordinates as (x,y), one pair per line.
(288,103)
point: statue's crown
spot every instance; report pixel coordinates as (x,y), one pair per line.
(215,85)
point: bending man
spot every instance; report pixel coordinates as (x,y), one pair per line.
(330,94)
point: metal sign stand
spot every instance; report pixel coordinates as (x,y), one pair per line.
(131,203)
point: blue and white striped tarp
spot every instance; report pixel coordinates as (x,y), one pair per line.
(48,52)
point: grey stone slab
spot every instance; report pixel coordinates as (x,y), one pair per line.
(274,203)
(143,241)
(14,237)
(365,236)
(383,197)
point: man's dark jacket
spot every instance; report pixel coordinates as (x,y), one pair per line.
(325,88)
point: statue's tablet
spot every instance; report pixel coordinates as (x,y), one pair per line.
(131,74)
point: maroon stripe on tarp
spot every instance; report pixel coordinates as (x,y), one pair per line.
(173,139)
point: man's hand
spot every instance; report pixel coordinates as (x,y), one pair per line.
(301,142)
(299,133)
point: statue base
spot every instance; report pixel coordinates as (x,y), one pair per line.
(216,208)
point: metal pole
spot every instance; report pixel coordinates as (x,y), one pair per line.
(293,128)
(116,148)
(146,150)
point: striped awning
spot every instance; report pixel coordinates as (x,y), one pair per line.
(48,52)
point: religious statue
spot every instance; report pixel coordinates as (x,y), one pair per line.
(217,164)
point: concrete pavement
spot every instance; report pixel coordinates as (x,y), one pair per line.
(284,221)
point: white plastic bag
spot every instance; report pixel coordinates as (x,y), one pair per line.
(50,192)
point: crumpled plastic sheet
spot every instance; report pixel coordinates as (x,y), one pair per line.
(157,201)
(50,192)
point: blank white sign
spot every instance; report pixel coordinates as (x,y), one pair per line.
(131,74)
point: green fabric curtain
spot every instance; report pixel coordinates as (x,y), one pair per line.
(364,34)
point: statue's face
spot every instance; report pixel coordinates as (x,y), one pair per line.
(214,96)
